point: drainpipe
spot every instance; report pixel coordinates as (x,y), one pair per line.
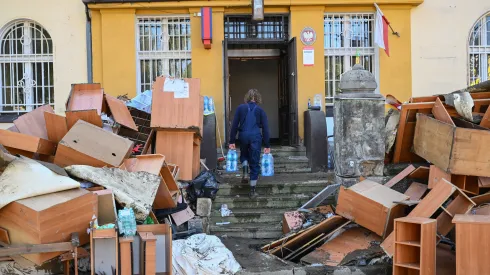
(88,36)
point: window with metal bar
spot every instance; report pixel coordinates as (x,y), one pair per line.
(163,48)
(26,67)
(274,28)
(479,51)
(349,39)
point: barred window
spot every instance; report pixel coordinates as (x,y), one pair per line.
(348,37)
(163,48)
(479,51)
(26,67)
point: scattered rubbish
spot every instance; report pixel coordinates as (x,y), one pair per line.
(225,212)
(223,223)
(205,185)
(127,222)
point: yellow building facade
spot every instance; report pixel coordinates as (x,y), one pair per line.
(134,42)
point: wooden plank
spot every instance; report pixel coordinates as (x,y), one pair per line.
(33,123)
(400,176)
(125,254)
(163,233)
(325,226)
(434,141)
(416,191)
(459,205)
(440,113)
(120,112)
(178,148)
(4,236)
(436,175)
(66,156)
(481,199)
(148,163)
(321,196)
(96,143)
(484,182)
(55,126)
(181,113)
(147,253)
(68,256)
(426,208)
(370,205)
(104,254)
(89,116)
(27,143)
(13,250)
(333,252)
(183,216)
(473,239)
(85,97)
(421,173)
(467,157)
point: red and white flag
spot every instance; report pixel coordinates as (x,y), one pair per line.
(381,30)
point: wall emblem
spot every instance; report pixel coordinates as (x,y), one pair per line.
(308,36)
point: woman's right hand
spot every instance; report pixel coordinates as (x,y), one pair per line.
(232,146)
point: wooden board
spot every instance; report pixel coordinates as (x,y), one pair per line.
(95,143)
(66,156)
(416,191)
(469,184)
(440,113)
(85,97)
(27,143)
(425,209)
(178,148)
(400,176)
(484,182)
(485,122)
(33,220)
(473,239)
(55,126)
(325,226)
(421,173)
(459,205)
(4,236)
(177,113)
(148,163)
(370,205)
(183,216)
(89,116)
(467,158)
(163,233)
(126,255)
(436,175)
(104,253)
(333,252)
(406,131)
(120,112)
(33,123)
(481,199)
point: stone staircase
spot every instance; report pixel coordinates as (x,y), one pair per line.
(261,218)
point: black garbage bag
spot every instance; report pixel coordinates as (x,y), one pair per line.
(205,185)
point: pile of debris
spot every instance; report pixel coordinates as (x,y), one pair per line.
(437,206)
(102,182)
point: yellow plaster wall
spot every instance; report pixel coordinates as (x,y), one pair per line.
(208,64)
(311,79)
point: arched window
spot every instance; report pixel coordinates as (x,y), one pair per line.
(26,67)
(479,51)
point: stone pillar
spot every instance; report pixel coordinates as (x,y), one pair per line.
(359,127)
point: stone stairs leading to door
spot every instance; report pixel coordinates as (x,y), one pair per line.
(261,218)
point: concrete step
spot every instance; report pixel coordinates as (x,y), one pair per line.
(250,231)
(277,151)
(277,170)
(243,216)
(276,201)
(308,188)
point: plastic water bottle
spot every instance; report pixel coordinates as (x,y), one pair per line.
(267,165)
(127,222)
(206,105)
(211,105)
(231,161)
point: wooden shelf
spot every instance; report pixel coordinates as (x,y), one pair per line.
(410,243)
(410,265)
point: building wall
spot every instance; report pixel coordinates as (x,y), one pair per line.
(66,23)
(114,45)
(440,32)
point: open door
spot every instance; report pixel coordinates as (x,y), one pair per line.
(292,87)
(226,89)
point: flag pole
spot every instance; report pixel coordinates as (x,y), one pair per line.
(389,24)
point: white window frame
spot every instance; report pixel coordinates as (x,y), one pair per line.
(159,51)
(348,51)
(29,58)
(481,48)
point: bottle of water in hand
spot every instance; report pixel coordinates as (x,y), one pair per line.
(267,165)
(231,161)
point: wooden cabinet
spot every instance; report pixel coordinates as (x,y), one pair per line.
(415,246)
(472,244)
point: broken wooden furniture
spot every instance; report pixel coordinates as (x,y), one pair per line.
(7,250)
(74,255)
(371,205)
(455,150)
(415,246)
(144,136)
(182,148)
(168,191)
(162,250)
(472,244)
(433,201)
(85,97)
(104,243)
(86,144)
(126,255)
(31,221)
(26,145)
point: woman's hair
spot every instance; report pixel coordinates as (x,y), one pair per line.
(253,95)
